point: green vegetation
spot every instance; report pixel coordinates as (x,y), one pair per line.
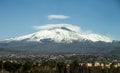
(57,67)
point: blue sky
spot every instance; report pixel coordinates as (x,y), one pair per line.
(17,17)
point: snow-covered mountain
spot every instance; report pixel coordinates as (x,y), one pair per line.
(58,39)
(60,33)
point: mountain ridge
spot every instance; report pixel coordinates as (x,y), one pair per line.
(61,33)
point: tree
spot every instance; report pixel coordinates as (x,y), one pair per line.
(61,67)
(1,65)
(27,66)
(74,67)
(11,67)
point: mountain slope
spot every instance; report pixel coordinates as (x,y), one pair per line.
(61,38)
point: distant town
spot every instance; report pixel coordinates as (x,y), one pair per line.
(57,63)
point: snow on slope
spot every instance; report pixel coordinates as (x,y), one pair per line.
(60,33)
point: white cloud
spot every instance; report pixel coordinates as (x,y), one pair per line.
(53,26)
(60,25)
(57,17)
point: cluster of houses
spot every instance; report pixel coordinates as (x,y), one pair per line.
(102,65)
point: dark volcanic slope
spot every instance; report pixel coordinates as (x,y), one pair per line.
(84,47)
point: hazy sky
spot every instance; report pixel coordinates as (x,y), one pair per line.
(17,17)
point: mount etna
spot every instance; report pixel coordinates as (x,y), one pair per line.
(60,39)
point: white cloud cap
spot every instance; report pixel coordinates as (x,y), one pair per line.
(52,26)
(57,17)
